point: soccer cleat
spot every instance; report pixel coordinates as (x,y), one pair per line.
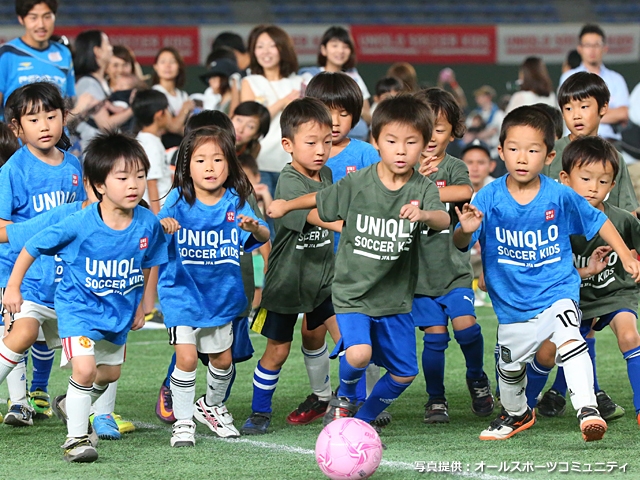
(382,420)
(609,410)
(124,426)
(506,426)
(79,450)
(256,424)
(154,316)
(436,411)
(308,411)
(552,404)
(1,418)
(592,425)
(481,399)
(106,427)
(164,405)
(19,415)
(41,404)
(339,407)
(638,418)
(59,407)
(183,434)
(217,418)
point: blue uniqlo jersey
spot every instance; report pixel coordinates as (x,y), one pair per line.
(29,187)
(40,282)
(526,250)
(21,64)
(201,285)
(103,281)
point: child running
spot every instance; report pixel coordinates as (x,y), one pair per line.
(98,298)
(210,219)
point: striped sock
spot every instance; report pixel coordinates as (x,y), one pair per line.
(97,391)
(217,384)
(78,406)
(183,391)
(264,386)
(633,370)
(17,383)
(42,359)
(579,374)
(8,360)
(106,403)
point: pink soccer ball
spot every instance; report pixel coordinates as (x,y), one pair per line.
(348,448)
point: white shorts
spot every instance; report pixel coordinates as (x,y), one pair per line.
(206,340)
(105,353)
(47,318)
(519,342)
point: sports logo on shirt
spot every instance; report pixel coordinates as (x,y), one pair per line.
(74,180)
(351,169)
(441,183)
(231,216)
(144,243)
(55,57)
(549,215)
(415,203)
(22,66)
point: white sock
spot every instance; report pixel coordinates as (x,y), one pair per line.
(17,383)
(106,403)
(512,391)
(8,360)
(78,406)
(372,376)
(97,391)
(578,372)
(217,384)
(183,391)
(318,367)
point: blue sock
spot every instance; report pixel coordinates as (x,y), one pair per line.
(264,386)
(42,364)
(560,384)
(361,389)
(172,365)
(472,346)
(386,391)
(633,370)
(537,376)
(233,379)
(591,345)
(433,363)
(496,357)
(349,377)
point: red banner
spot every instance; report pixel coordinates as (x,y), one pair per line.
(146,41)
(455,44)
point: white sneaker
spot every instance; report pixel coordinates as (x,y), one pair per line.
(217,418)
(184,434)
(79,450)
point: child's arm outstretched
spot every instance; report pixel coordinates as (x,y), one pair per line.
(12,298)
(248,224)
(435,219)
(597,262)
(470,220)
(279,208)
(630,263)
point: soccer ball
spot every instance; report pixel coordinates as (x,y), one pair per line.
(348,448)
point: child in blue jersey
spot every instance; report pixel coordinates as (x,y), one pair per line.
(523,222)
(445,285)
(98,299)
(38,177)
(200,289)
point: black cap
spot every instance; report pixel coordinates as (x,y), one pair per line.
(221,67)
(475,144)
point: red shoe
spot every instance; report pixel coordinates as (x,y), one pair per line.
(308,411)
(164,406)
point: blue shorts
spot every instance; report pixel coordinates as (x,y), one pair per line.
(603,320)
(436,311)
(241,349)
(392,339)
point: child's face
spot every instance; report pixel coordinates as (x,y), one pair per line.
(124,186)
(583,116)
(117,67)
(479,164)
(440,138)
(524,153)
(209,168)
(42,130)
(124,82)
(341,121)
(400,146)
(310,146)
(167,66)
(593,181)
(266,52)
(214,83)
(336,51)
(246,129)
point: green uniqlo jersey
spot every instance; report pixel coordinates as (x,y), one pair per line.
(246,263)
(442,266)
(301,261)
(613,288)
(622,195)
(377,262)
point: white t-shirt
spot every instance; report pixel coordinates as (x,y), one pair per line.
(159,161)
(272,157)
(522,98)
(175,101)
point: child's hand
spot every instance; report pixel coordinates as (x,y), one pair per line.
(481,283)
(138,319)
(598,260)
(248,224)
(411,212)
(470,218)
(632,266)
(12,299)
(425,166)
(170,225)
(277,209)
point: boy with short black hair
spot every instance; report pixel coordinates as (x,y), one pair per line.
(300,271)
(523,222)
(377,260)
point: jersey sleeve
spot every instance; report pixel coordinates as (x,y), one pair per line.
(292,187)
(168,210)
(157,251)
(632,232)
(333,201)
(71,80)
(580,217)
(20,233)
(626,194)
(460,174)
(431,197)
(53,239)
(247,240)
(6,193)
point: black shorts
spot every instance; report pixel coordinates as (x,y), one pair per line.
(280,326)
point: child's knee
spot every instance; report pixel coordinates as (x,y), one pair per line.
(403,380)
(187,361)
(107,374)
(628,340)
(314,339)
(359,356)
(546,355)
(84,373)
(222,360)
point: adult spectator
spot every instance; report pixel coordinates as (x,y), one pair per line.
(236,44)
(123,62)
(572,61)
(592,47)
(535,85)
(484,122)
(406,73)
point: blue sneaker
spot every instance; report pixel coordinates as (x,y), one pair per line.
(256,424)
(19,416)
(106,427)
